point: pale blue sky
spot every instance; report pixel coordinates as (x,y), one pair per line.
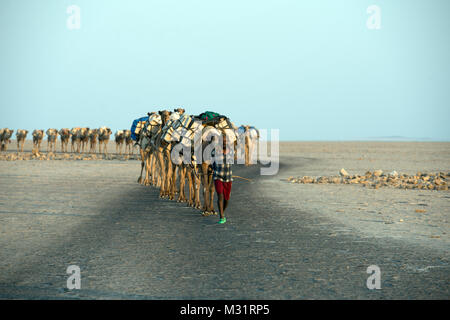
(310,68)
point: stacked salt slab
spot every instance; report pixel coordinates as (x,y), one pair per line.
(377,179)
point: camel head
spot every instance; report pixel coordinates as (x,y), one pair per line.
(6,133)
(38,133)
(105,132)
(52,132)
(21,133)
(179,110)
(165,115)
(119,133)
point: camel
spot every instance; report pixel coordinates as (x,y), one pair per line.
(162,145)
(119,137)
(93,136)
(211,138)
(52,137)
(64,135)
(183,135)
(173,134)
(128,142)
(21,135)
(5,138)
(76,139)
(84,139)
(248,136)
(191,132)
(194,184)
(179,132)
(103,138)
(38,136)
(147,149)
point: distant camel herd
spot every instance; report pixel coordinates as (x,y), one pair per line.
(81,139)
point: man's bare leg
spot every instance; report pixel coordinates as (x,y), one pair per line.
(222,203)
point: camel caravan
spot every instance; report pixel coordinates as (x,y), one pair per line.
(83,140)
(176,147)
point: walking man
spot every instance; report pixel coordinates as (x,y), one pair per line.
(223,178)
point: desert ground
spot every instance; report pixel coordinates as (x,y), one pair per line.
(282,240)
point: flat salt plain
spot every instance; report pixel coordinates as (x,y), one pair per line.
(281,241)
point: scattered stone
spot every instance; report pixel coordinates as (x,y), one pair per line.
(335,180)
(307,179)
(393,174)
(375,180)
(378,173)
(322,180)
(421,210)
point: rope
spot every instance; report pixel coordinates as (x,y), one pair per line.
(242,178)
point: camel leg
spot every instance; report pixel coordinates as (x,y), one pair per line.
(181,195)
(197,186)
(173,182)
(153,168)
(176,172)
(205,183)
(168,176)
(158,173)
(142,165)
(147,169)
(162,168)
(190,187)
(161,173)
(173,185)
